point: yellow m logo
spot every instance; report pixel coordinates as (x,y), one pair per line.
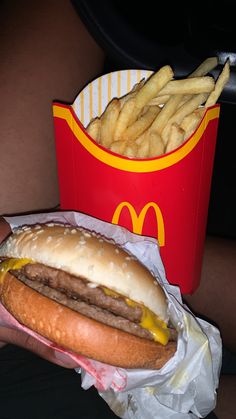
(138,219)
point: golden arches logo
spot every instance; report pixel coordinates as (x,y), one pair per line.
(138,219)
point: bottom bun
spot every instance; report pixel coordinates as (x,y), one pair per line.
(78,333)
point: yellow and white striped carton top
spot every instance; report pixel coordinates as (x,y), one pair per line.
(93,99)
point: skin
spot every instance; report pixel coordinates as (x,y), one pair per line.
(215,300)
(46,54)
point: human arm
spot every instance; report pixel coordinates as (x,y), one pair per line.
(215,299)
(46,55)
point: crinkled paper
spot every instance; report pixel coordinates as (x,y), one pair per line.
(186,386)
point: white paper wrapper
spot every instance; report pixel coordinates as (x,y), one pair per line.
(186,386)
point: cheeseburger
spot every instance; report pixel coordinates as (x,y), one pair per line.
(85,294)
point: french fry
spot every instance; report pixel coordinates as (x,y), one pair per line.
(124,118)
(205,67)
(166,113)
(141,124)
(159,113)
(219,86)
(150,89)
(93,129)
(156,145)
(118,147)
(143,147)
(190,122)
(187,108)
(175,139)
(153,85)
(108,122)
(131,149)
(132,93)
(189,86)
(159,100)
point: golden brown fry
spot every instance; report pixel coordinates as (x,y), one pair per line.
(131,149)
(176,138)
(219,86)
(150,89)
(123,118)
(132,93)
(143,148)
(141,124)
(93,129)
(156,145)
(190,86)
(108,122)
(205,67)
(153,85)
(187,108)
(191,121)
(118,147)
(159,100)
(166,113)
(136,126)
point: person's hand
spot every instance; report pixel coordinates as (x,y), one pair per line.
(19,338)
(22,339)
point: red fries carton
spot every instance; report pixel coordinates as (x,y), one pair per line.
(166,197)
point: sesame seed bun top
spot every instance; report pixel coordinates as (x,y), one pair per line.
(86,254)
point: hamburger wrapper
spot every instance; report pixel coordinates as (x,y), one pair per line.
(185,387)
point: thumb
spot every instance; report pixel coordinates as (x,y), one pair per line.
(22,339)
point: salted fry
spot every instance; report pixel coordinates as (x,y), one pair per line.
(153,85)
(141,124)
(118,147)
(151,88)
(205,67)
(189,86)
(132,93)
(108,122)
(159,100)
(156,145)
(143,147)
(131,149)
(190,122)
(93,129)
(187,108)
(158,113)
(175,139)
(219,86)
(166,113)
(124,118)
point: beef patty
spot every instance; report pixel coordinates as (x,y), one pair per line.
(95,302)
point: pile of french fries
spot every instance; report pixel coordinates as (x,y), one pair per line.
(159,113)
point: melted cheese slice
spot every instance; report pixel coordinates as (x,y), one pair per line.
(12,263)
(149,320)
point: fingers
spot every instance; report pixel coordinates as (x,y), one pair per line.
(22,339)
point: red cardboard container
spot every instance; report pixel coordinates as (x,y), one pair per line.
(165,197)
